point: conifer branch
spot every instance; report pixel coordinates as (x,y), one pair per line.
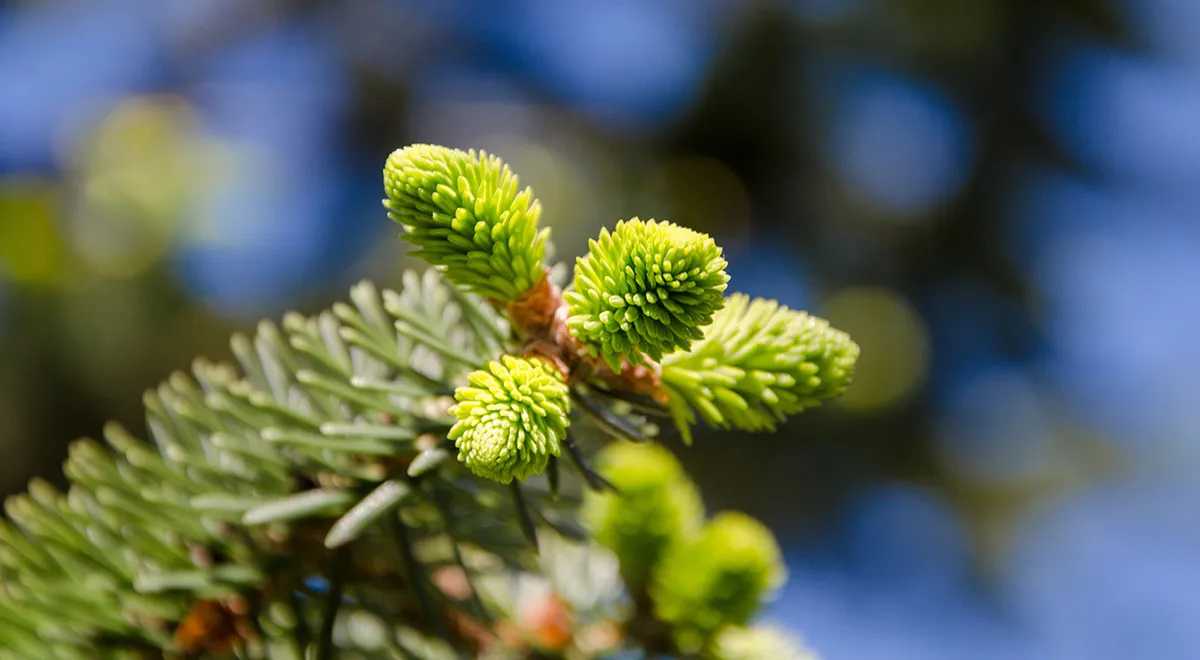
(293,504)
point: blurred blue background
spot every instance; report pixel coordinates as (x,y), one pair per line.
(998,199)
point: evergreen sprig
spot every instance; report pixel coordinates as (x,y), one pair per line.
(646,287)
(307,503)
(654,505)
(758,363)
(466,213)
(719,577)
(511,418)
(703,581)
(224,516)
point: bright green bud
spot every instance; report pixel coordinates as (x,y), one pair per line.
(757,363)
(719,577)
(655,506)
(464,211)
(758,643)
(648,287)
(511,418)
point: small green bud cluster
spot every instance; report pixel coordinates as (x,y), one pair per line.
(646,291)
(465,212)
(647,287)
(716,578)
(702,578)
(512,417)
(655,504)
(758,362)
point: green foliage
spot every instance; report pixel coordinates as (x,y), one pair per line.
(717,578)
(758,362)
(511,418)
(647,287)
(464,210)
(307,504)
(758,643)
(654,506)
(245,466)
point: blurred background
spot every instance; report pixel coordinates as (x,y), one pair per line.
(997,198)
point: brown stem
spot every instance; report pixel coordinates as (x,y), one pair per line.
(540,318)
(651,634)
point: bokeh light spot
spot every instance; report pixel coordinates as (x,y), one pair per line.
(900,532)
(1125,115)
(626,62)
(894,342)
(995,428)
(31,248)
(901,144)
(137,170)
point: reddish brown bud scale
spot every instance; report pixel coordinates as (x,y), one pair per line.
(214,626)
(540,318)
